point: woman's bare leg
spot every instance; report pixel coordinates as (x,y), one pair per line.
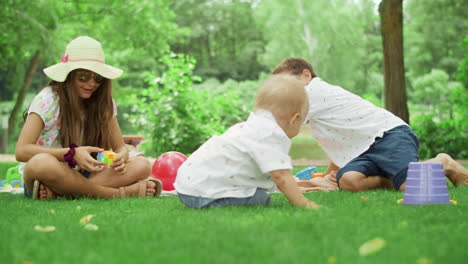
(61,180)
(137,169)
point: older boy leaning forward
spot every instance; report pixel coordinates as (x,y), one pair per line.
(369,147)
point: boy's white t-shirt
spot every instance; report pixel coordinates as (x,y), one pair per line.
(237,162)
(344,124)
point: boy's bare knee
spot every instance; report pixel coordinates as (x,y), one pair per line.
(350,182)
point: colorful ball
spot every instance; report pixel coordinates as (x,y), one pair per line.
(165,168)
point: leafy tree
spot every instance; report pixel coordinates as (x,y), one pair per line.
(444,125)
(340,38)
(434,30)
(434,90)
(173,115)
(35,34)
(462,73)
(222,36)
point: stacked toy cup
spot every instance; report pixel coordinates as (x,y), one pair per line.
(426,184)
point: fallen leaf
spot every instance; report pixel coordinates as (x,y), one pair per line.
(44,228)
(364,198)
(91,227)
(86,219)
(424,260)
(403,223)
(331,260)
(372,246)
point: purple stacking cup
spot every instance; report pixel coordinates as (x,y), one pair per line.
(426,184)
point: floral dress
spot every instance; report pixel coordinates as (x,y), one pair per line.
(46,105)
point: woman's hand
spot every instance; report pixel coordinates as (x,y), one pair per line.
(120,161)
(86,161)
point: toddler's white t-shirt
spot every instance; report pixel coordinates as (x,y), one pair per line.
(344,124)
(237,162)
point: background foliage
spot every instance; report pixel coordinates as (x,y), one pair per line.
(232,45)
(176,115)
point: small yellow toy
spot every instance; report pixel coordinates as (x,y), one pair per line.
(107,157)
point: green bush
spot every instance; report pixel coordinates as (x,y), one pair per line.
(172,115)
(449,134)
(445,127)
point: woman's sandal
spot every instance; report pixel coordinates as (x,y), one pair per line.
(142,188)
(158,186)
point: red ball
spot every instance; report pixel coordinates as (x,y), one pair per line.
(165,168)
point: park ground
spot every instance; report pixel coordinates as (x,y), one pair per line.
(366,227)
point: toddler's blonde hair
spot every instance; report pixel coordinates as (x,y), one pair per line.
(284,95)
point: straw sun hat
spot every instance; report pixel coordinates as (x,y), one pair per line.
(82,53)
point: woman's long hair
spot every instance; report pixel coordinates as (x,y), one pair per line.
(86,124)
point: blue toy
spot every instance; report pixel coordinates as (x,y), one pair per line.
(306,174)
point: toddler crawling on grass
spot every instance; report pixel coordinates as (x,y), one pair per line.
(240,167)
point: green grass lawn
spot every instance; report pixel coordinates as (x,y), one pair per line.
(161,230)
(306,148)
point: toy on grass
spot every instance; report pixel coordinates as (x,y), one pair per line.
(317,174)
(426,184)
(13,178)
(107,157)
(309,173)
(165,168)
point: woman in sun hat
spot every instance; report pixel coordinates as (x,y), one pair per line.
(70,121)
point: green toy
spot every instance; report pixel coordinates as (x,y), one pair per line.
(13,178)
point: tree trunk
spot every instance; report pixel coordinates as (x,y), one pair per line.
(391,16)
(22,93)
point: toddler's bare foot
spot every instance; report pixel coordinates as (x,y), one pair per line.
(142,189)
(457,174)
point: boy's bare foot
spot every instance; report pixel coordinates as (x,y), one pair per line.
(142,188)
(456,173)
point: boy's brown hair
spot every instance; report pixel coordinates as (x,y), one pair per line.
(283,95)
(294,66)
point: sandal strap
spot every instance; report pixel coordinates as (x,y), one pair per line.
(158,186)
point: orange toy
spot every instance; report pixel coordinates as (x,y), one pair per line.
(316,174)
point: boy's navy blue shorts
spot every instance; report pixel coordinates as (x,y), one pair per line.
(388,156)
